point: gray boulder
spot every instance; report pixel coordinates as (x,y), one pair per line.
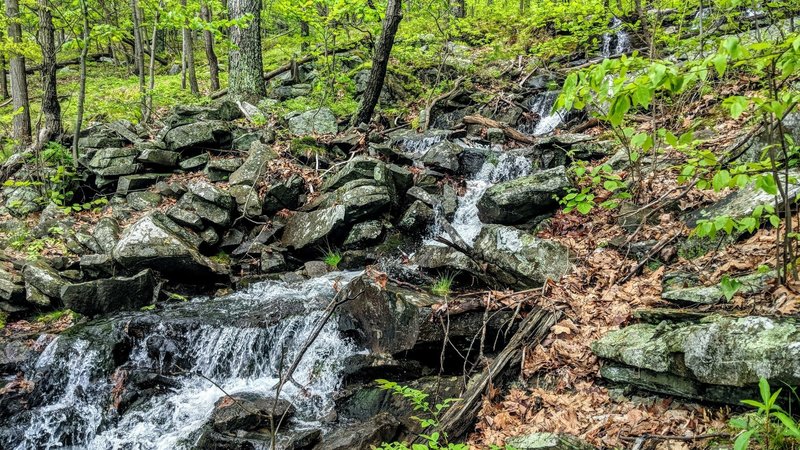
(315,121)
(547,441)
(284,194)
(370,434)
(254,166)
(111,294)
(44,279)
(158,243)
(522,199)
(22,200)
(212,134)
(416,217)
(362,199)
(248,411)
(304,229)
(364,234)
(248,202)
(110,162)
(521,259)
(725,351)
(444,156)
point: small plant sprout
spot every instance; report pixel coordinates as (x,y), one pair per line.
(443,285)
(333,259)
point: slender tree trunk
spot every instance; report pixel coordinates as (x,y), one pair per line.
(19,81)
(305,31)
(380,61)
(51,109)
(460,8)
(82,83)
(151,73)
(3,78)
(245,67)
(208,39)
(138,52)
(188,54)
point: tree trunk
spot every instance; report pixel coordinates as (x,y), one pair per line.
(138,52)
(245,67)
(151,73)
(380,61)
(51,109)
(305,31)
(460,8)
(3,78)
(208,39)
(19,81)
(82,83)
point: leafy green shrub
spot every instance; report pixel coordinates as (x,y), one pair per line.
(769,425)
(443,285)
(332,259)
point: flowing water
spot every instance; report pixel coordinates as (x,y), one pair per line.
(238,355)
(547,119)
(616,41)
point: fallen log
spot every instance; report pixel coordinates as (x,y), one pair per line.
(457,420)
(507,129)
(68,62)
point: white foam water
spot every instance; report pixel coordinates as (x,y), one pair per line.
(542,104)
(617,42)
(237,360)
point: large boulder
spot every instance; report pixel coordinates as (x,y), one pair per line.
(158,243)
(211,134)
(44,279)
(444,156)
(370,434)
(315,121)
(248,411)
(284,194)
(521,259)
(308,228)
(522,199)
(254,166)
(362,199)
(726,351)
(111,294)
(110,162)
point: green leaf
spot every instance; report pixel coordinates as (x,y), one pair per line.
(764,390)
(743,440)
(775,220)
(619,108)
(730,287)
(736,104)
(720,63)
(584,208)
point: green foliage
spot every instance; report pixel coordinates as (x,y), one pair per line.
(21,240)
(221,258)
(56,315)
(592,179)
(730,286)
(430,415)
(769,425)
(443,285)
(332,259)
(3,319)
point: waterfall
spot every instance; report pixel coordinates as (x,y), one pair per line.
(548,120)
(237,358)
(617,42)
(495,169)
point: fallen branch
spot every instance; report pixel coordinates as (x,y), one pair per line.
(507,129)
(429,108)
(68,62)
(657,248)
(457,421)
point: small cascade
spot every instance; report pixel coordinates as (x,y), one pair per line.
(237,359)
(616,41)
(548,120)
(495,169)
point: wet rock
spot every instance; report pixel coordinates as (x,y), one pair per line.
(724,351)
(320,121)
(158,243)
(522,199)
(360,167)
(44,278)
(305,229)
(254,166)
(36,297)
(13,354)
(210,134)
(97,266)
(361,199)
(547,441)
(379,429)
(248,411)
(364,234)
(416,217)
(521,259)
(111,294)
(443,257)
(314,269)
(443,156)
(272,262)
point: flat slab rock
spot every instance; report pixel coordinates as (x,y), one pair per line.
(717,350)
(248,412)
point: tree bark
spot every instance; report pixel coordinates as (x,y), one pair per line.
(188,53)
(82,83)
(460,8)
(208,39)
(151,73)
(245,76)
(51,109)
(138,52)
(3,76)
(305,31)
(380,61)
(19,81)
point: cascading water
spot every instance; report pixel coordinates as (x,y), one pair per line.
(497,168)
(237,358)
(617,41)
(548,120)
